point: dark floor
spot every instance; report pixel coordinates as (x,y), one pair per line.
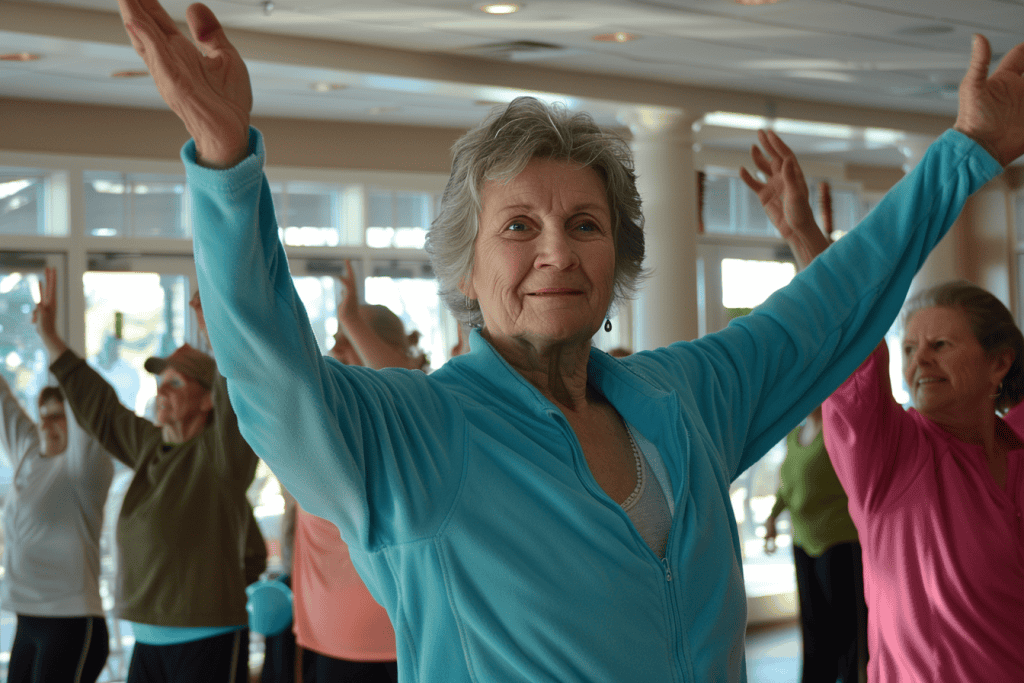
(773,653)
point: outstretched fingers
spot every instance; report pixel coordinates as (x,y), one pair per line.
(1012,62)
(144,20)
(49,297)
(751,182)
(206,29)
(981,55)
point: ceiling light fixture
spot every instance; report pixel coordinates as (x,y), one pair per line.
(617,37)
(19,57)
(756,2)
(323,86)
(129,73)
(500,8)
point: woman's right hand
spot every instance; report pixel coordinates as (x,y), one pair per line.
(207,87)
(785,197)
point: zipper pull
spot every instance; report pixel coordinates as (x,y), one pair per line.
(668,571)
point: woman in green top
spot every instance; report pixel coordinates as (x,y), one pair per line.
(829,579)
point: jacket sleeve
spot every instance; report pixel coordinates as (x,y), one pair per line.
(19,433)
(235,458)
(756,379)
(873,443)
(371,451)
(97,409)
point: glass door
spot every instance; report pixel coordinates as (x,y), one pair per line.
(735,280)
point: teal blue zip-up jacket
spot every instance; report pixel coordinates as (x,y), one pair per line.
(464,495)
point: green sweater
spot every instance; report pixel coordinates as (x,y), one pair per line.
(185,518)
(814,497)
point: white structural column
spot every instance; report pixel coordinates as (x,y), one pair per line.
(666,309)
(940,265)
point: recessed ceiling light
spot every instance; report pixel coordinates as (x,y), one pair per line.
(756,2)
(500,8)
(19,57)
(617,37)
(130,73)
(327,87)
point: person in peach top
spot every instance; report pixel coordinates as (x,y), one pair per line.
(347,636)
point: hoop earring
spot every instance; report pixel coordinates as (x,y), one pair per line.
(999,391)
(607,325)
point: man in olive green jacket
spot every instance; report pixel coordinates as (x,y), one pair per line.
(184,523)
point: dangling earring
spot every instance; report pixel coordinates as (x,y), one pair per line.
(999,391)
(607,325)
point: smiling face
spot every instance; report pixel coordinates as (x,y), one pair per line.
(53,428)
(180,400)
(948,372)
(544,256)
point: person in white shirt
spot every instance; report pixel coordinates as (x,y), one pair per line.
(51,522)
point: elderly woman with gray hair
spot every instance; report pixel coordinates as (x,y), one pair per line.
(937,491)
(536,510)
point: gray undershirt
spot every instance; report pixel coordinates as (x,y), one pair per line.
(651,511)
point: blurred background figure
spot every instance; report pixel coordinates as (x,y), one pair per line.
(827,557)
(52,521)
(343,633)
(185,535)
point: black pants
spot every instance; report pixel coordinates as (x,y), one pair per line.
(58,649)
(323,669)
(220,659)
(833,615)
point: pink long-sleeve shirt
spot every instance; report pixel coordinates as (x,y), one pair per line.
(943,543)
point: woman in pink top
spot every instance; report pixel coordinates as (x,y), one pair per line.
(937,491)
(347,636)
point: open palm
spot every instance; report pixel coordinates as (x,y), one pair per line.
(992,107)
(206,86)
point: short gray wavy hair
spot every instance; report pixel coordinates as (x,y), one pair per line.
(499,149)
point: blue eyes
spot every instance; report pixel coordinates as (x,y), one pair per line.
(586,227)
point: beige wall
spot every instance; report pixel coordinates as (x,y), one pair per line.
(983,234)
(91,130)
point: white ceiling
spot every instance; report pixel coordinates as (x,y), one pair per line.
(439,62)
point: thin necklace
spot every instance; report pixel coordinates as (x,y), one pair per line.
(639,469)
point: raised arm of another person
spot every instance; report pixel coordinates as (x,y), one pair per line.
(233,455)
(772,367)
(92,400)
(785,198)
(18,432)
(872,441)
(373,351)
